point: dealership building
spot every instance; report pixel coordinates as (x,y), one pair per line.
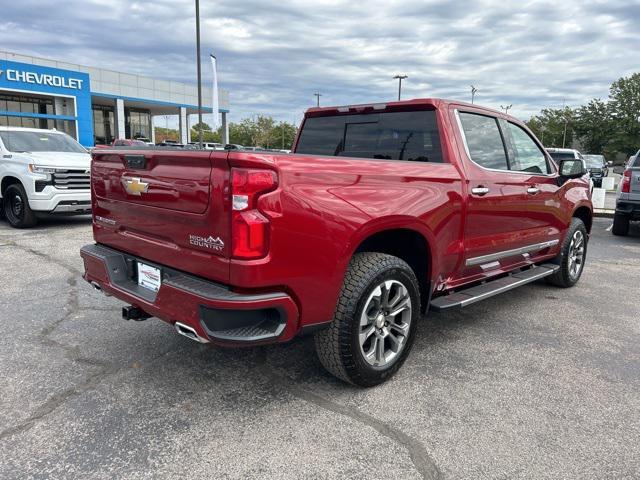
(96,105)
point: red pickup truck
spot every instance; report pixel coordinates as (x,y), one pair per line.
(382,212)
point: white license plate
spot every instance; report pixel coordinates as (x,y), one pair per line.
(149,277)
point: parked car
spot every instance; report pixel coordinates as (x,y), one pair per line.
(128,142)
(146,141)
(42,172)
(628,197)
(559,154)
(170,143)
(213,146)
(233,146)
(597,167)
(383,212)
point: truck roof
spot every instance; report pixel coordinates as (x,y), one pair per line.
(397,106)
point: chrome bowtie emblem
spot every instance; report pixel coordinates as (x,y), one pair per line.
(134,186)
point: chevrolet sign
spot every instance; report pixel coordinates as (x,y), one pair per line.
(14,75)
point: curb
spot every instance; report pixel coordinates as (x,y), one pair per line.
(602,213)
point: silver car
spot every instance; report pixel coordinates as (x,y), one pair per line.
(628,197)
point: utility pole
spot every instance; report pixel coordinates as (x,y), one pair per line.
(199,73)
(317,95)
(474,90)
(566,123)
(400,77)
(282,135)
(506,109)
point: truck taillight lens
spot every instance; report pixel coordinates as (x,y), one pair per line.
(626,182)
(249,226)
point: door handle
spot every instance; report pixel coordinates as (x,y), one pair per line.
(480,191)
(532,190)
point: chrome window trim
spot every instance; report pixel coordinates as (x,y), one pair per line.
(492,257)
(466,148)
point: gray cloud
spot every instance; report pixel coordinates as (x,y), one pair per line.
(274,55)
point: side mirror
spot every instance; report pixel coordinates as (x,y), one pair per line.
(609,163)
(572,168)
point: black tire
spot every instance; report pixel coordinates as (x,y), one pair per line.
(16,207)
(620,225)
(564,277)
(339,348)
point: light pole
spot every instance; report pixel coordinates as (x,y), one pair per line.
(400,77)
(199,73)
(474,90)
(317,95)
(506,109)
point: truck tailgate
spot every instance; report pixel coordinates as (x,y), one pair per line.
(170,207)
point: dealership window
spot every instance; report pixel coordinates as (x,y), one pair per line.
(137,123)
(103,124)
(27,104)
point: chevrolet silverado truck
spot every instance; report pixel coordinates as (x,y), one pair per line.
(42,172)
(381,213)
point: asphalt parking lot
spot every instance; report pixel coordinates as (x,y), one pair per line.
(536,383)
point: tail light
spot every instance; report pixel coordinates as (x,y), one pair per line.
(249,227)
(626,182)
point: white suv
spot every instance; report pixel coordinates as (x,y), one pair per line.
(42,172)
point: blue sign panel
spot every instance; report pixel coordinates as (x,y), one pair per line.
(25,77)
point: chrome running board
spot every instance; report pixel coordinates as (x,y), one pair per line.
(463,298)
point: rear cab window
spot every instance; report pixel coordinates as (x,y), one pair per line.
(409,136)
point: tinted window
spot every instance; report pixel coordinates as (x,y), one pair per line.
(387,136)
(526,155)
(484,141)
(18,141)
(594,161)
(562,156)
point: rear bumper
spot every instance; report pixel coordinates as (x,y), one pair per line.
(217,314)
(629,209)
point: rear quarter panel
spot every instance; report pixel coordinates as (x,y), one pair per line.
(324,207)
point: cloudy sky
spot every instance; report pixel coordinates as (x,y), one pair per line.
(273,55)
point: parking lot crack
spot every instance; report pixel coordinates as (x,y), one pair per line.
(421,459)
(46,257)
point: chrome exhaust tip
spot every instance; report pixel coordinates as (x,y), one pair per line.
(189,332)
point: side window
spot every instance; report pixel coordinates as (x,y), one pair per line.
(526,155)
(484,141)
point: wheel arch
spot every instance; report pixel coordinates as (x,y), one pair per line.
(407,243)
(585,214)
(6,181)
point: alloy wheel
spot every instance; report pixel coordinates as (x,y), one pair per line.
(385,323)
(576,254)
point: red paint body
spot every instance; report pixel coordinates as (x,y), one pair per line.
(322,209)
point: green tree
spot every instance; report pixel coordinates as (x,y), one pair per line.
(554,126)
(593,126)
(262,131)
(624,104)
(282,136)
